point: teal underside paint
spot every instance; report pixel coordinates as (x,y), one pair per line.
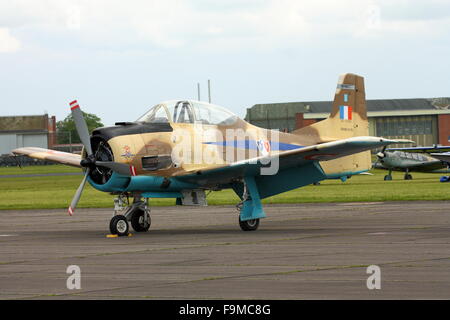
(263,186)
(161,195)
(117,183)
(156,184)
(289,179)
(252,208)
(344,175)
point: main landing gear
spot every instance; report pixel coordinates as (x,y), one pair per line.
(388,177)
(138,213)
(250,210)
(408,176)
(249,225)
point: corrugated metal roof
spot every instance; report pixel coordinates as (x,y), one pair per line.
(262,111)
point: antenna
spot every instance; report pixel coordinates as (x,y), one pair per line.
(209,91)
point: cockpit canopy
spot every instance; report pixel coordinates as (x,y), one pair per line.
(189,112)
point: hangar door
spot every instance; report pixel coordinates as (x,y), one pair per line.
(421,129)
(7,143)
(12,141)
(32,140)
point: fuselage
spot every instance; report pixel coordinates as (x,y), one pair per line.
(399,160)
(177,139)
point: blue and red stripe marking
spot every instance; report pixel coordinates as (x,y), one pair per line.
(252,145)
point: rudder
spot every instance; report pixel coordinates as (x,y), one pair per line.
(348,117)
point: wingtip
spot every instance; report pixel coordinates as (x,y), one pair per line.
(70,211)
(405,141)
(395,141)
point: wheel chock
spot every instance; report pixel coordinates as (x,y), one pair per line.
(116,236)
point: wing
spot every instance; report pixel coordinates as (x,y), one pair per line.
(325,151)
(66,158)
(292,158)
(423,149)
(442,156)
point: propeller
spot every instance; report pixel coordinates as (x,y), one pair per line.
(90,161)
(382,153)
(81,126)
(77,195)
(380,156)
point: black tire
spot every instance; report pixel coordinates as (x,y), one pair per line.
(249,225)
(137,221)
(387,178)
(119,225)
(408,177)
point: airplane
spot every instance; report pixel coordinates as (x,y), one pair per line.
(399,159)
(181,148)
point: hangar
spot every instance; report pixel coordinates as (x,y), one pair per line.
(426,121)
(26,131)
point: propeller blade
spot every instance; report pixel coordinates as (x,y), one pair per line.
(77,195)
(120,168)
(381,155)
(81,126)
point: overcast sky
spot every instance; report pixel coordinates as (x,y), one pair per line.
(118,58)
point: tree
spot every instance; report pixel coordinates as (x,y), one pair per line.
(67,133)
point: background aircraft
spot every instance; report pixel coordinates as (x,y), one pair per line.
(155,157)
(399,160)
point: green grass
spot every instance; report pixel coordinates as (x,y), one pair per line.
(37,169)
(57,191)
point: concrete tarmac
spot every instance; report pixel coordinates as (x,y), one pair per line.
(301,251)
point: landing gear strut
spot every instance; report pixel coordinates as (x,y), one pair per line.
(138,213)
(408,176)
(247,224)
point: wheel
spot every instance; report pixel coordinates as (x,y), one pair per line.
(249,225)
(387,177)
(408,176)
(137,221)
(119,225)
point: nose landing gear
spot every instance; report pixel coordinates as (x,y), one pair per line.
(138,213)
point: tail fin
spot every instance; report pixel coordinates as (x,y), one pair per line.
(348,117)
